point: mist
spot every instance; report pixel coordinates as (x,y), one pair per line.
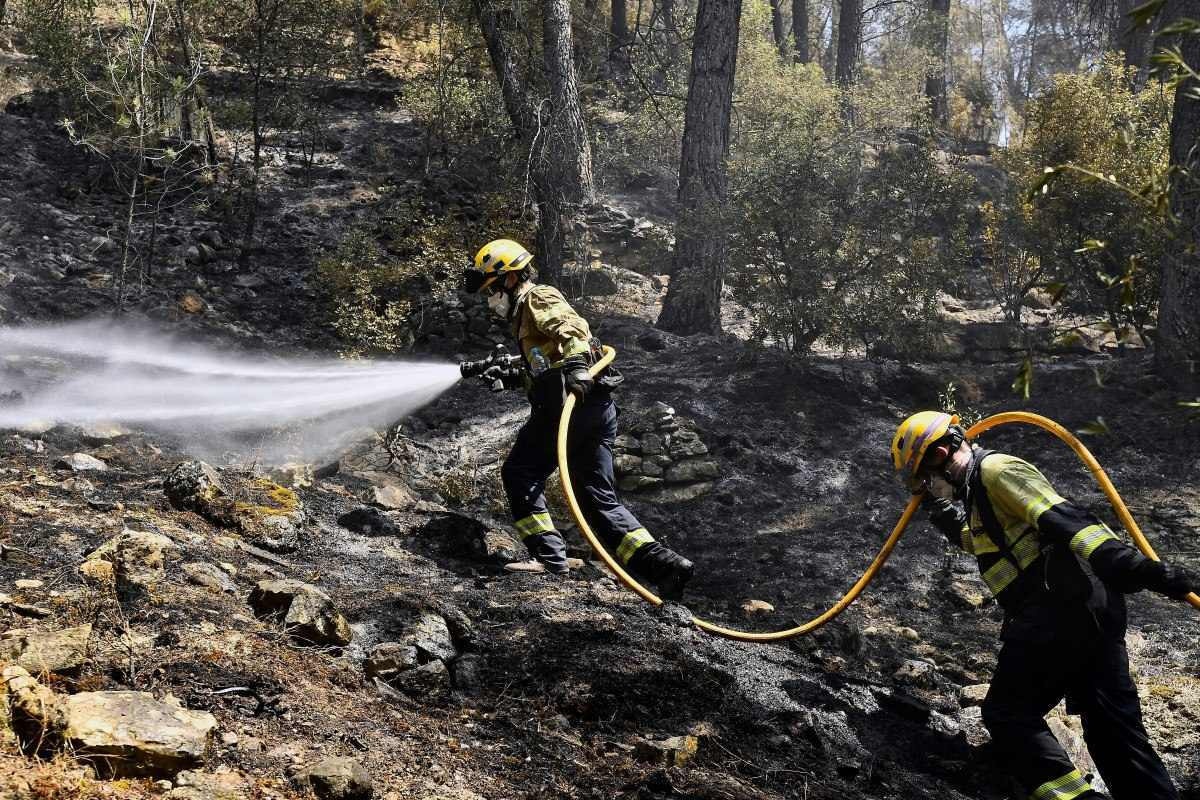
(212,403)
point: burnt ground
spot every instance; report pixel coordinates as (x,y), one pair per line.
(568,678)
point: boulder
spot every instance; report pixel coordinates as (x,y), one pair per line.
(132,734)
(81,462)
(137,559)
(338,778)
(196,486)
(597,282)
(46,651)
(430,635)
(691,471)
(369,522)
(916,673)
(462,536)
(389,659)
(432,679)
(305,611)
(969,696)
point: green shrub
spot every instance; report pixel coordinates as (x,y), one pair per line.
(1090,227)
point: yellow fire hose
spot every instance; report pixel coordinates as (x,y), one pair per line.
(850,596)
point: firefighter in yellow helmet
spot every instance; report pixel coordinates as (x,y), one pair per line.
(557,349)
(1060,575)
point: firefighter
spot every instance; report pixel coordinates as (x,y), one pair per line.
(1060,576)
(557,349)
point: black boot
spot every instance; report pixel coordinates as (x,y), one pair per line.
(550,549)
(663,567)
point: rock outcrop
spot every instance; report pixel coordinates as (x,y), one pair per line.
(305,612)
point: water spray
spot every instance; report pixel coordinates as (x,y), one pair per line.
(211,400)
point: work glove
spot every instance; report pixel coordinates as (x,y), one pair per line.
(1174,582)
(499,378)
(946,516)
(577,377)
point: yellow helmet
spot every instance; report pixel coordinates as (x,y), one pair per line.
(913,438)
(493,260)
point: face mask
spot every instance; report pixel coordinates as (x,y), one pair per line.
(940,487)
(500,304)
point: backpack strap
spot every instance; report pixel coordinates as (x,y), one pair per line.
(979,498)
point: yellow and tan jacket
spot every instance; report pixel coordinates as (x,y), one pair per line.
(544,319)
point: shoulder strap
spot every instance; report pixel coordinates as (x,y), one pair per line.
(979,498)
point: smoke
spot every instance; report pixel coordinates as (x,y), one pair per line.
(213,403)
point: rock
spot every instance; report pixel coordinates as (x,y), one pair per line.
(28,583)
(338,778)
(209,576)
(213,239)
(692,471)
(392,497)
(192,303)
(634,483)
(102,246)
(686,443)
(916,673)
(37,715)
(970,595)
(677,494)
(625,443)
(195,486)
(432,679)
(389,659)
(81,462)
(132,734)
(969,696)
(908,634)
(673,752)
(753,608)
(369,521)
(652,444)
(579,282)
(305,611)
(191,785)
(430,635)
(46,651)
(467,672)
(462,536)
(292,475)
(627,465)
(97,433)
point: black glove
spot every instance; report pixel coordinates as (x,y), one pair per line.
(946,516)
(576,376)
(498,378)
(1174,582)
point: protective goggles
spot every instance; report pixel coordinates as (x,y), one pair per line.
(475,280)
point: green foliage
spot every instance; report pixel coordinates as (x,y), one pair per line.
(1098,226)
(382,278)
(57,34)
(840,233)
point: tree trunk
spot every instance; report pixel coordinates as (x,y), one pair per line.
(516,99)
(935,81)
(1134,43)
(849,40)
(777,34)
(693,302)
(829,56)
(802,51)
(567,154)
(618,36)
(1177,352)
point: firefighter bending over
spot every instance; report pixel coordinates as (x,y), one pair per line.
(1060,575)
(557,349)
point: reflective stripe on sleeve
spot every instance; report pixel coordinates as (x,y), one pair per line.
(1003,572)
(534,524)
(965,536)
(1068,787)
(631,543)
(1084,543)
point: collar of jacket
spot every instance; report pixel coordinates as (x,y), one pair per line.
(963,492)
(518,297)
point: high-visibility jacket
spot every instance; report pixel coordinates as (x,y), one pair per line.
(1037,550)
(544,319)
